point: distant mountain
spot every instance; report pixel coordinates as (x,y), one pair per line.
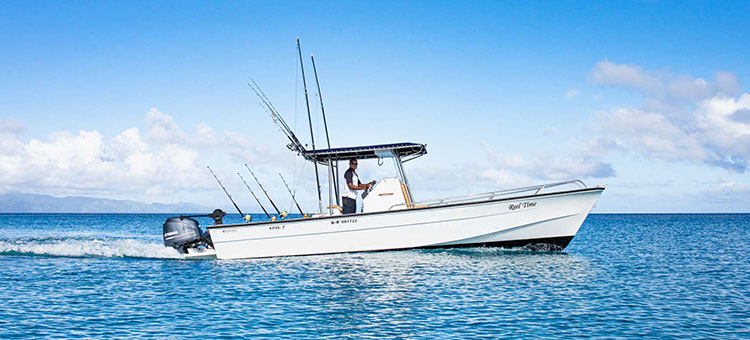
(35,203)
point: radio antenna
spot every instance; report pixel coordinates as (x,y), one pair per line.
(264,190)
(225,191)
(290,193)
(256,197)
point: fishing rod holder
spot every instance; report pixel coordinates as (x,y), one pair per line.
(217,215)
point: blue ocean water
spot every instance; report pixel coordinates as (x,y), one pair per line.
(623,276)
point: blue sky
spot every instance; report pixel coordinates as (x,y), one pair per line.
(131,100)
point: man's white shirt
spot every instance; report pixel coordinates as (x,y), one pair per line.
(348,192)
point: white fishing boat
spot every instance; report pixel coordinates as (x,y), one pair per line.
(544,217)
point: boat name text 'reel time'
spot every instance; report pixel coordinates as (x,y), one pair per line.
(520,205)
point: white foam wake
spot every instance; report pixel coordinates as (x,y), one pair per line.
(88,247)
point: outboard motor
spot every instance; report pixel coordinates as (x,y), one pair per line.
(184,232)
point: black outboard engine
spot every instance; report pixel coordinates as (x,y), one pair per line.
(184,232)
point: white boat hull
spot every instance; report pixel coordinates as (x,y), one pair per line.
(550,218)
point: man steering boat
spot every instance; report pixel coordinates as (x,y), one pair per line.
(349,196)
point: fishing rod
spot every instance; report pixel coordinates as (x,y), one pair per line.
(309,119)
(225,191)
(256,197)
(295,145)
(264,190)
(320,95)
(325,124)
(290,193)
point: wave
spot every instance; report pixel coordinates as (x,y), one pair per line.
(87,247)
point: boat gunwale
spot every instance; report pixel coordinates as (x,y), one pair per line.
(252,224)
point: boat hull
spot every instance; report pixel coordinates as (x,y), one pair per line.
(550,219)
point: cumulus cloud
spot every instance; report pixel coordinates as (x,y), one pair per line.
(162,128)
(651,134)
(682,118)
(727,83)
(664,84)
(204,136)
(727,191)
(720,132)
(509,169)
(89,163)
(632,76)
(741,115)
(732,187)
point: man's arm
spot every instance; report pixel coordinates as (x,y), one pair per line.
(349,182)
(361,186)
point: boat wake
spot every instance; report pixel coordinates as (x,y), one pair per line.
(86,247)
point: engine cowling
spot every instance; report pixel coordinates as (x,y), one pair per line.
(182,233)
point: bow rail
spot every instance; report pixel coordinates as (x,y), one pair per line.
(487,195)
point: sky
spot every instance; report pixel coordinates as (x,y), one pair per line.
(132,100)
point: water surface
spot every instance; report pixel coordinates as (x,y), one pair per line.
(108,276)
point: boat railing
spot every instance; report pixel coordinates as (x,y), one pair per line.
(487,195)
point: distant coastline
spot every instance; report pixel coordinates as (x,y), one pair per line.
(39,203)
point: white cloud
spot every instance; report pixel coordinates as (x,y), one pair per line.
(608,73)
(88,163)
(204,136)
(508,168)
(64,157)
(651,134)
(741,115)
(686,87)
(664,85)
(162,128)
(128,142)
(682,118)
(727,84)
(720,131)
(157,162)
(727,191)
(732,187)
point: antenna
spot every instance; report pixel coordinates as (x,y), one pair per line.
(256,197)
(309,119)
(264,190)
(225,191)
(290,193)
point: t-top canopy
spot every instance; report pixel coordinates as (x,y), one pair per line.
(410,150)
